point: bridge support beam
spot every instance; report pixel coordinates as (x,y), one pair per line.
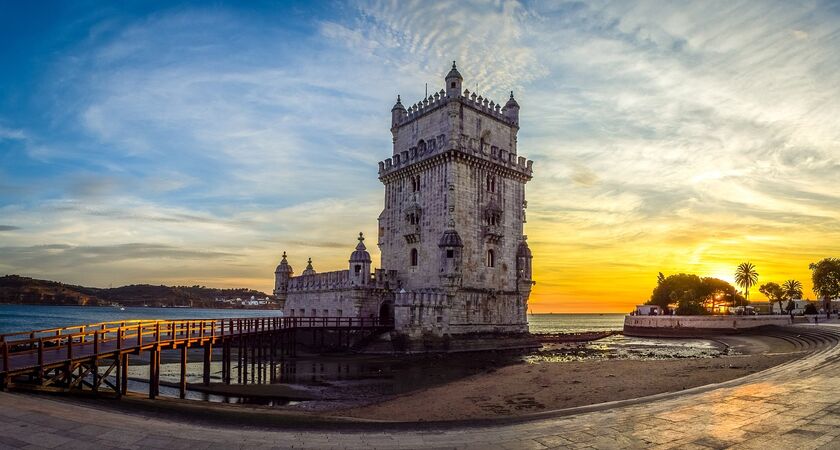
(154,373)
(124,370)
(182,385)
(208,356)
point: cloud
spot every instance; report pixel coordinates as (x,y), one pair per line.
(8,228)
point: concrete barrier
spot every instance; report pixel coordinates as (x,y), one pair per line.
(689,326)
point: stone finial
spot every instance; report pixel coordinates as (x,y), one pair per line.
(284,255)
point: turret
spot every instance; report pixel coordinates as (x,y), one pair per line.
(511,109)
(309,269)
(523,264)
(451,247)
(360,264)
(281,280)
(453,82)
(397,113)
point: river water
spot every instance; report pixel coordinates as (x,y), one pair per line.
(14,318)
(344,377)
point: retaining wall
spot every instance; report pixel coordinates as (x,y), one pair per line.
(687,326)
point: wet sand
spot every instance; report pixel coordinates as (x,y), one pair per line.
(565,373)
(527,388)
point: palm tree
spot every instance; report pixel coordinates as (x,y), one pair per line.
(792,289)
(746,277)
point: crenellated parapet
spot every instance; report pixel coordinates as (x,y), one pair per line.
(434,102)
(339,279)
(468,149)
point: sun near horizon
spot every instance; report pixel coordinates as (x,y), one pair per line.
(174,143)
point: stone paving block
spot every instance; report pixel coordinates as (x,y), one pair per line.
(553,441)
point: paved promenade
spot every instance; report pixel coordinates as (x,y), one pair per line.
(795,405)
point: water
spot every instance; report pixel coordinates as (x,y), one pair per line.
(17,318)
(344,379)
(574,323)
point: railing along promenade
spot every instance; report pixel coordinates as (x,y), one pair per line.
(84,356)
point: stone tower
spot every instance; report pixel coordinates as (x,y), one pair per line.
(452,223)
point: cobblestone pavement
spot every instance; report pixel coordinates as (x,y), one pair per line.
(790,406)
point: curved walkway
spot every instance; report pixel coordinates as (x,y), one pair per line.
(788,406)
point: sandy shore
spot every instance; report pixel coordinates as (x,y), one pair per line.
(526,388)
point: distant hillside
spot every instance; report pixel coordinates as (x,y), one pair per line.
(24,290)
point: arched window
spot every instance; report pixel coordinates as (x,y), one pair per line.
(491,183)
(491,258)
(413,256)
(415,183)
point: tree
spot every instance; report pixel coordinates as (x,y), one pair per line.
(660,278)
(746,277)
(692,294)
(826,278)
(773,292)
(718,292)
(792,289)
(673,288)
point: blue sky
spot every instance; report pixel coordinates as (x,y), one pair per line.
(187,142)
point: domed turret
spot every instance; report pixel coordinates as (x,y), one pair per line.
(397,113)
(453,82)
(450,238)
(511,109)
(281,280)
(451,247)
(523,261)
(309,269)
(284,266)
(360,263)
(360,254)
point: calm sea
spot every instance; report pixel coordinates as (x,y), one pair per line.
(14,318)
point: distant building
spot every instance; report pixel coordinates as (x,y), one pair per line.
(454,256)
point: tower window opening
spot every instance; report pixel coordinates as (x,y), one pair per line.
(491,183)
(415,183)
(491,258)
(450,253)
(413,256)
(453,84)
(358,268)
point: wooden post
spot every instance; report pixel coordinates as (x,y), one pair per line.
(227,360)
(153,368)
(208,355)
(253,360)
(40,360)
(239,359)
(260,358)
(124,386)
(183,383)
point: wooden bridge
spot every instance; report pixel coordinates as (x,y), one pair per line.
(84,357)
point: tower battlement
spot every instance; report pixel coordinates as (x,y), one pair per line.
(455,124)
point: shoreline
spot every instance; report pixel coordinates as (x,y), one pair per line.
(517,388)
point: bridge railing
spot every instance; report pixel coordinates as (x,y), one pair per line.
(86,340)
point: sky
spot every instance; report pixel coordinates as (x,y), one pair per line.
(193,142)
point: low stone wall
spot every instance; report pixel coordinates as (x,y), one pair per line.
(689,326)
